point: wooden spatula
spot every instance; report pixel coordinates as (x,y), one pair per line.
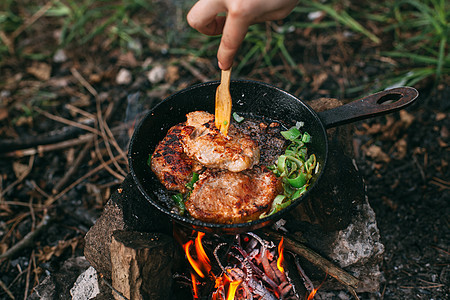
(223,102)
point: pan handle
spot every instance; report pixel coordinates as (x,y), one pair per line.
(373,105)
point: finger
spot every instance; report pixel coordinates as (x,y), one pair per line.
(203,17)
(274,15)
(233,34)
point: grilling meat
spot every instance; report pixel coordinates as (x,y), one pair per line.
(169,163)
(229,197)
(203,142)
(232,187)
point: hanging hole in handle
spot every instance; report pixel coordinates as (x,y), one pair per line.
(389,98)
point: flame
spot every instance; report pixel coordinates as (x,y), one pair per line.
(202,265)
(232,289)
(314,291)
(312,294)
(201,254)
(194,286)
(280,256)
(194,264)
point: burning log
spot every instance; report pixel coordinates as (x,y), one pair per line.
(324,264)
(141,265)
(249,268)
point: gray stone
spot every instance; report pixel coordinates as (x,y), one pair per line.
(156,74)
(86,286)
(124,77)
(58,284)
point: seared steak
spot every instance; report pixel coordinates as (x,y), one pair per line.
(203,142)
(169,163)
(229,197)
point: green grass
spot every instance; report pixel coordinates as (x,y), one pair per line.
(79,22)
(412,33)
(421,32)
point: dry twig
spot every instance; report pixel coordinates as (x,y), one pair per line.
(27,239)
(194,71)
(52,199)
(66,121)
(324,264)
(5,288)
(18,180)
(73,167)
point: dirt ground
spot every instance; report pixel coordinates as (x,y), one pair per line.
(59,161)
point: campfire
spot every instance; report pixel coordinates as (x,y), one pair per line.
(328,243)
(249,267)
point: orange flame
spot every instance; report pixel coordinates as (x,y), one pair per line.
(197,267)
(280,256)
(202,266)
(232,289)
(314,291)
(201,254)
(194,286)
(312,294)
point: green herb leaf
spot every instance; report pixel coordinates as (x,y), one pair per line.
(291,134)
(190,184)
(237,118)
(179,202)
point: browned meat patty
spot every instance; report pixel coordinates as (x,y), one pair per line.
(203,142)
(169,163)
(228,197)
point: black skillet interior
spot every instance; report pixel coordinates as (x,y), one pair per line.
(253,97)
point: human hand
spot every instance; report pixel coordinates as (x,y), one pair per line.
(204,17)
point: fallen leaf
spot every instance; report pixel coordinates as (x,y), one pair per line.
(442,144)
(3,113)
(389,203)
(172,74)
(406,118)
(3,248)
(20,170)
(318,80)
(440,116)
(372,129)
(444,132)
(127,60)
(47,252)
(401,147)
(40,70)
(377,154)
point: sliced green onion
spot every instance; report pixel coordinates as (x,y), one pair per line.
(179,202)
(297,194)
(237,118)
(306,138)
(281,163)
(310,164)
(190,184)
(149,160)
(278,204)
(294,167)
(299,181)
(291,134)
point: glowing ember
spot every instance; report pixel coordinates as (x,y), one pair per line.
(280,256)
(251,268)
